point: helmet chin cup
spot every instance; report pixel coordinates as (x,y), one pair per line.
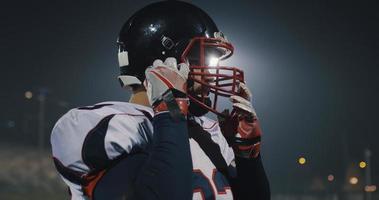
(218,80)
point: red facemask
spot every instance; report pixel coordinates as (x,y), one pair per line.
(203,55)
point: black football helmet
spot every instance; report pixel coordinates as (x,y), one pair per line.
(184,31)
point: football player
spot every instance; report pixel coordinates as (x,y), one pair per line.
(161,145)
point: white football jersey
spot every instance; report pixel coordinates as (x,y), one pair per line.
(208,181)
(125,127)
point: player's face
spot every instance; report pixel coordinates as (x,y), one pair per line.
(198,88)
(208,80)
(211,59)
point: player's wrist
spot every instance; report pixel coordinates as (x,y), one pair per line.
(247,147)
(249,128)
(244,137)
(162,106)
(173,101)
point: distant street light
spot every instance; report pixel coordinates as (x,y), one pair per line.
(370,188)
(353,180)
(330,177)
(302,160)
(28,95)
(362,164)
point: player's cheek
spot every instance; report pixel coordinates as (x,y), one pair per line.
(196,86)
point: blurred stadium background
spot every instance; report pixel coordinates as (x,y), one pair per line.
(312,65)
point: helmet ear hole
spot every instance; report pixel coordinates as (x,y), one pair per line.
(167,42)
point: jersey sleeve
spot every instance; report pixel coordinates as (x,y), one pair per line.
(127,134)
(92,137)
(99,132)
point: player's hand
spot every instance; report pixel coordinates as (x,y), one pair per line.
(241,126)
(166,80)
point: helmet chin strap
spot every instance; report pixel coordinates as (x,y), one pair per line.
(196,109)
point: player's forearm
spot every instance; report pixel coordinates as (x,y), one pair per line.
(251,181)
(169,165)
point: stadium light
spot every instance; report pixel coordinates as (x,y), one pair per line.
(213,61)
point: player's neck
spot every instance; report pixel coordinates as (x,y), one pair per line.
(139,97)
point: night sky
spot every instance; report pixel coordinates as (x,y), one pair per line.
(312,67)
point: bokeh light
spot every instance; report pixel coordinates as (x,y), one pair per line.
(28,94)
(330,177)
(353,180)
(302,161)
(362,164)
(370,188)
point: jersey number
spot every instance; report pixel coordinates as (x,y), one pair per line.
(202,184)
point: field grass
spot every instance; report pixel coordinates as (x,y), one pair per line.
(26,173)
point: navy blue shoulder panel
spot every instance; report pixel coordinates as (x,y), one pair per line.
(93,150)
(147,114)
(69,174)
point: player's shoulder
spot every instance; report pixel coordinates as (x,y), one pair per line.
(107,108)
(111,127)
(84,116)
(113,107)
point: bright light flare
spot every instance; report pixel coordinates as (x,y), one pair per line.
(213,61)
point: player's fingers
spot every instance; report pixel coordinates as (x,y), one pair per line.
(238,99)
(243,109)
(245,91)
(157,63)
(171,63)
